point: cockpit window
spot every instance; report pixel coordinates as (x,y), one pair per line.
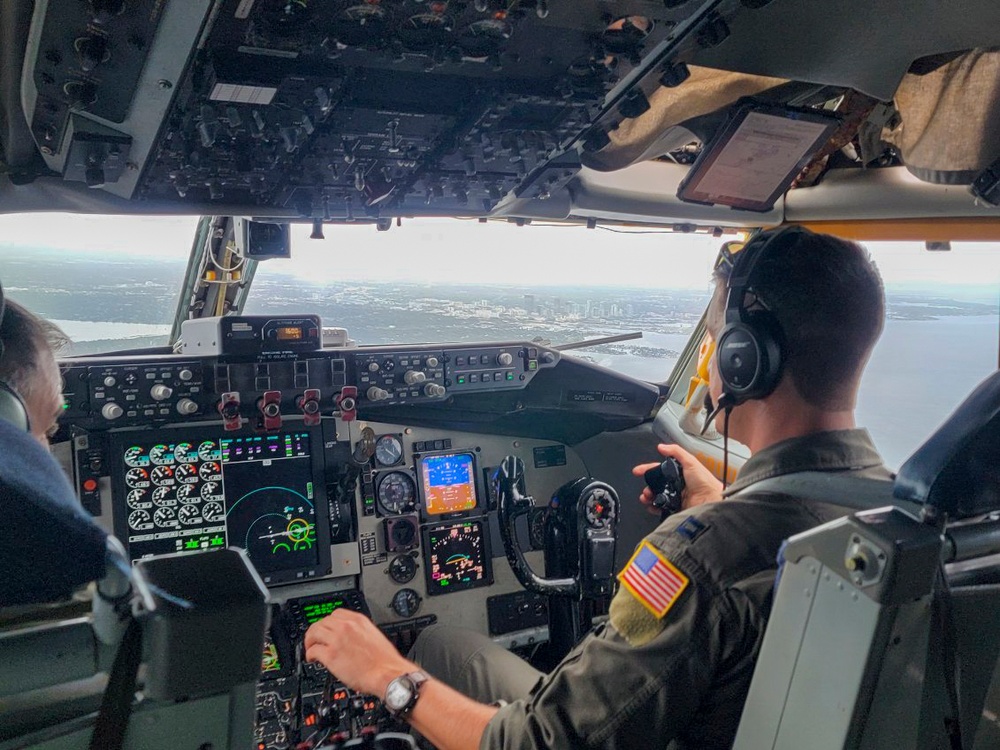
(110,282)
(463,281)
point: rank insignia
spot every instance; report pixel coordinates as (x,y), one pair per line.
(653,580)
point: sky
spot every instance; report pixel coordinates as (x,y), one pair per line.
(464,251)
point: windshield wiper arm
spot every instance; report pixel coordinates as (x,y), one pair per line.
(598,342)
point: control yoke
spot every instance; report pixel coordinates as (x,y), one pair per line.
(579,534)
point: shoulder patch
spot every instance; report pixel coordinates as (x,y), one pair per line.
(691,528)
(653,580)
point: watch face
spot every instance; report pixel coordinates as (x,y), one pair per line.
(398,693)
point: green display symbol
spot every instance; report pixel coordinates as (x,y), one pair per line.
(218,541)
(191,544)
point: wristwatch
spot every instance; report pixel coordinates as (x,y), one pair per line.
(401,694)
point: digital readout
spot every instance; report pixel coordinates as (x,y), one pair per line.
(457,558)
(449,484)
(316,611)
(289,333)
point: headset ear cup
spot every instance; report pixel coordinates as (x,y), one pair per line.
(12,408)
(749,357)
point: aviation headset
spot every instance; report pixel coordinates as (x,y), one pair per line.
(12,408)
(749,352)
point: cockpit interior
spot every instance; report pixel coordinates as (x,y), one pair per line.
(259,470)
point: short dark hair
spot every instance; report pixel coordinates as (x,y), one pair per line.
(827,295)
(26,339)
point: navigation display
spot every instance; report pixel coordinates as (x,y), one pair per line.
(458,557)
(192,491)
(449,483)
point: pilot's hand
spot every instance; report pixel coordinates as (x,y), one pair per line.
(355,650)
(701,486)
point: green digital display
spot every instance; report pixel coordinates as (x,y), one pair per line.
(316,611)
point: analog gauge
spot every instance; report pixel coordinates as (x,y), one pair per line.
(210,470)
(186,494)
(209,451)
(388,450)
(137,477)
(402,569)
(184,453)
(189,514)
(162,475)
(406,602)
(186,474)
(164,496)
(165,517)
(396,493)
(161,455)
(208,489)
(139,520)
(137,499)
(136,456)
(213,511)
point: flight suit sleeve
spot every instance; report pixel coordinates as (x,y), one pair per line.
(638,678)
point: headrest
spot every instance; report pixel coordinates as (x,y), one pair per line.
(956,471)
(48,544)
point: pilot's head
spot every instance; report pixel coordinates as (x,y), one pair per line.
(28,365)
(825,295)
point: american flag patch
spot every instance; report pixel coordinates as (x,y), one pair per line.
(653,580)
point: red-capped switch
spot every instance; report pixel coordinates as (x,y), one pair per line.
(347,403)
(269,406)
(229,408)
(309,405)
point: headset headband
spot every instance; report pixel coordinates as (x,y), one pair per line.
(745,263)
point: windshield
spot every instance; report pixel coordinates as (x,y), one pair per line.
(113,283)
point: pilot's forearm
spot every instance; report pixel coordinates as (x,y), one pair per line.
(450,720)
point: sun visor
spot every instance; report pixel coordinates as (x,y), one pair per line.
(647,136)
(48,544)
(949,125)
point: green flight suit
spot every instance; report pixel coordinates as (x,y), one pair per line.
(644,681)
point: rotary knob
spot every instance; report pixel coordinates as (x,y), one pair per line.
(109,381)
(504,359)
(185,375)
(186,406)
(414,377)
(434,390)
(432,362)
(111,411)
(373,367)
(377,394)
(160,392)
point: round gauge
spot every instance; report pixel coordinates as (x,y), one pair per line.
(208,489)
(402,569)
(184,453)
(406,602)
(137,499)
(137,477)
(388,450)
(396,493)
(599,509)
(210,470)
(209,451)
(161,455)
(213,511)
(162,475)
(189,515)
(139,519)
(186,494)
(164,496)
(402,533)
(186,474)
(136,456)
(165,517)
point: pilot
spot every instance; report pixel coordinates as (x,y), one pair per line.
(675,660)
(28,366)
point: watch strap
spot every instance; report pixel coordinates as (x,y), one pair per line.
(416,679)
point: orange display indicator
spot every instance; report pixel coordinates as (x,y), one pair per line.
(289,333)
(449,483)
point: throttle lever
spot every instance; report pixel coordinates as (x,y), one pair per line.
(667,481)
(513,502)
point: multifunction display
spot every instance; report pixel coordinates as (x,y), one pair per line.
(204,492)
(458,557)
(449,483)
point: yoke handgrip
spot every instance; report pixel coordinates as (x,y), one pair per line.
(513,502)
